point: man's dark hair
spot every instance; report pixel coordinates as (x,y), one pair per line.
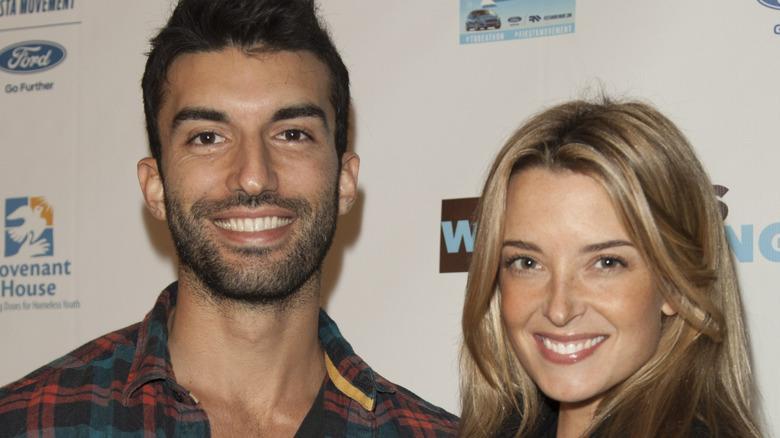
(254,26)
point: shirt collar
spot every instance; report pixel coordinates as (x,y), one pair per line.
(349,373)
(152,360)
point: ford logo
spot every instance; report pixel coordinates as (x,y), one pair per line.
(31,56)
(774,4)
(515,19)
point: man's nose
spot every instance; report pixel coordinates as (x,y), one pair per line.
(255,170)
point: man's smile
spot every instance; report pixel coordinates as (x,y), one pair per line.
(251,225)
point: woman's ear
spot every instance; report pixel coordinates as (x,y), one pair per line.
(667,309)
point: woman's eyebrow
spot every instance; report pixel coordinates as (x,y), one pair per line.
(606,245)
(521,244)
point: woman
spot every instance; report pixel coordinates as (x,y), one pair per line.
(602,298)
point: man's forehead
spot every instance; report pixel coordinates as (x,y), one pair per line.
(303,61)
(213,77)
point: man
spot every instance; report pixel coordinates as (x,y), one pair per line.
(247,106)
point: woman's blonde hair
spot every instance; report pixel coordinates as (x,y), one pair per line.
(701,370)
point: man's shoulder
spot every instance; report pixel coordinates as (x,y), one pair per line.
(92,366)
(392,412)
(362,402)
(402,405)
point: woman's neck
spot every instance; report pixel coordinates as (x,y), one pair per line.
(575,418)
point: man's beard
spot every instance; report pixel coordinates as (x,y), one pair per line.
(266,278)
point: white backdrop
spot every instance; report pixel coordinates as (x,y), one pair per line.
(429,113)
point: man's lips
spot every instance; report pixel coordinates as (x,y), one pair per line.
(252,225)
(568,351)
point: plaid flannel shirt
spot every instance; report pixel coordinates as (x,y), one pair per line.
(122,384)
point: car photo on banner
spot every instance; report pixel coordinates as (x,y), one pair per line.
(484,21)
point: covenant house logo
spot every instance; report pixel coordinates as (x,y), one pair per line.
(29,271)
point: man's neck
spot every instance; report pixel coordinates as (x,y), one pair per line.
(262,359)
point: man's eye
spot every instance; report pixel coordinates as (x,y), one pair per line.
(207,138)
(293,135)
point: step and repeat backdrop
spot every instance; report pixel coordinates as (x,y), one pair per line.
(438,85)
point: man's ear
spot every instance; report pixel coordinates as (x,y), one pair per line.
(152,187)
(350,164)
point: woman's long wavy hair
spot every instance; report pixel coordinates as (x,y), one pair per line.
(701,371)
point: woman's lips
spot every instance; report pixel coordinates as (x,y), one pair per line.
(568,351)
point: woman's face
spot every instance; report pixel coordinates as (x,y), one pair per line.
(577,298)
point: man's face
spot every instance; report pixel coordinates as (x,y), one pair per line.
(252,183)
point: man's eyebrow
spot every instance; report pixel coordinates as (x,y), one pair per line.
(198,114)
(300,111)
(606,245)
(520,244)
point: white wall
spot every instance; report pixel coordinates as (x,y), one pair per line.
(429,113)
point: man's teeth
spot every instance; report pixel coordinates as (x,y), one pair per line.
(250,225)
(571,347)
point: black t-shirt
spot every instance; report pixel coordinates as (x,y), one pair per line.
(547,424)
(314,422)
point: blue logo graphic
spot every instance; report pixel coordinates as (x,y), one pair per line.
(28,227)
(461,233)
(743,243)
(777,29)
(774,4)
(31,56)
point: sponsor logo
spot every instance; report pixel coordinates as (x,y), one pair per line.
(28,227)
(31,56)
(720,192)
(774,4)
(743,242)
(502,20)
(25,87)
(777,29)
(24,7)
(557,16)
(457,234)
(458,229)
(28,271)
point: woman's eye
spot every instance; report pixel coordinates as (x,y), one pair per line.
(293,135)
(207,138)
(524,263)
(609,262)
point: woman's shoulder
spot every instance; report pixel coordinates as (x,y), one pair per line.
(699,429)
(546,425)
